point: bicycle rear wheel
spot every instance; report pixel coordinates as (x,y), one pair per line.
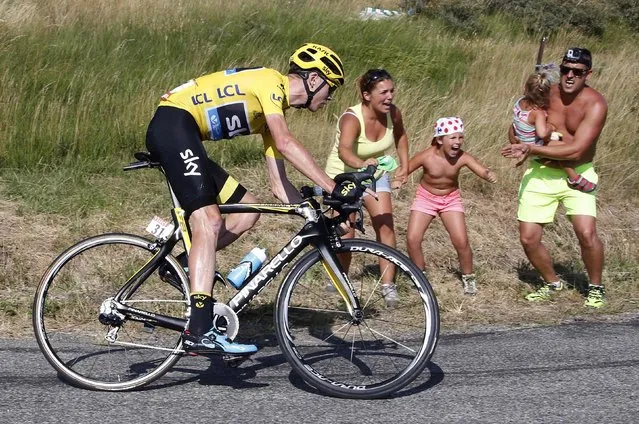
(368,358)
(124,354)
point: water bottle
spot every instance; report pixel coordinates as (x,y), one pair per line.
(249,265)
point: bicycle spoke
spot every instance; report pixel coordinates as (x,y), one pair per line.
(129,352)
(358,356)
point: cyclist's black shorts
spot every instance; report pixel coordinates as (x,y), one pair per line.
(173,139)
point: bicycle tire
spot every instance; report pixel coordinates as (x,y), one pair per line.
(66,311)
(384,353)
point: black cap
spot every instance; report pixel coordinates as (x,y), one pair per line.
(578,55)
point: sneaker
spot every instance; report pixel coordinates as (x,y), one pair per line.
(215,343)
(389,291)
(545,292)
(595,298)
(470,284)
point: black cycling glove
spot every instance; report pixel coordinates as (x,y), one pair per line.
(346,192)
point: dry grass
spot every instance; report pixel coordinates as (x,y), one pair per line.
(482,95)
(503,274)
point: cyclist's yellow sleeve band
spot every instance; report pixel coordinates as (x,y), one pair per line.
(227,191)
(269,146)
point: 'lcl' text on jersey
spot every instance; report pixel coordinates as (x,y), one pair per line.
(229,91)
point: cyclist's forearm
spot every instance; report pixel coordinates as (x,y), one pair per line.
(302,160)
(286,192)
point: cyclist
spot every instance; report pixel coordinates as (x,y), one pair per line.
(223,105)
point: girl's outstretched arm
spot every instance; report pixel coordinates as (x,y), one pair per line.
(416,161)
(479,169)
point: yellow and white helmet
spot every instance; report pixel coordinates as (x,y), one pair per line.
(315,57)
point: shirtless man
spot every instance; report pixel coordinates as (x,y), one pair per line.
(578,112)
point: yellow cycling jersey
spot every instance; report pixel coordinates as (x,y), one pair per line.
(234,102)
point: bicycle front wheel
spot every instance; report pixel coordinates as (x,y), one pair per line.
(368,357)
(126,353)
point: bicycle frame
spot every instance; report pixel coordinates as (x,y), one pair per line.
(315,233)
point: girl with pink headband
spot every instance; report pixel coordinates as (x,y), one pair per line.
(438,194)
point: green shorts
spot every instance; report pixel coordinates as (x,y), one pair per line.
(542,188)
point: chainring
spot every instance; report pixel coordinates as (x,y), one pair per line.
(225,320)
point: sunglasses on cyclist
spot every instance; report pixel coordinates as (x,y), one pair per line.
(331,89)
(579,73)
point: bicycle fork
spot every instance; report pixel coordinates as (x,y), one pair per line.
(341,282)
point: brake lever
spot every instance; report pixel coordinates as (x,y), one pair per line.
(359,222)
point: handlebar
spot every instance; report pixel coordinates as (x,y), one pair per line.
(358,178)
(354,203)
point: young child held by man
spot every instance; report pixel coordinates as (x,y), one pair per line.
(530,124)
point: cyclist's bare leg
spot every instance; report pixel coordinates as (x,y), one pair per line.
(236,224)
(381,212)
(206,224)
(418,223)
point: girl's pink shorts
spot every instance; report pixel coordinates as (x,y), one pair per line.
(432,204)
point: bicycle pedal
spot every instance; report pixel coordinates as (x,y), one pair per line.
(234,361)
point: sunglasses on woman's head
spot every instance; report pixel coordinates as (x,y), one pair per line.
(376,75)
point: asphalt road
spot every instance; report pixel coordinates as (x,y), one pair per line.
(573,373)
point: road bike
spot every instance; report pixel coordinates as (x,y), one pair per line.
(106,320)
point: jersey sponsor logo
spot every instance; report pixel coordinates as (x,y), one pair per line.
(229,91)
(190,162)
(228,121)
(200,98)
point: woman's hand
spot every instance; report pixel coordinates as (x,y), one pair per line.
(369,161)
(399,178)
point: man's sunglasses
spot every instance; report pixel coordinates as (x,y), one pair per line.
(331,90)
(579,73)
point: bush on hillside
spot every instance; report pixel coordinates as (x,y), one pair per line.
(626,11)
(591,17)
